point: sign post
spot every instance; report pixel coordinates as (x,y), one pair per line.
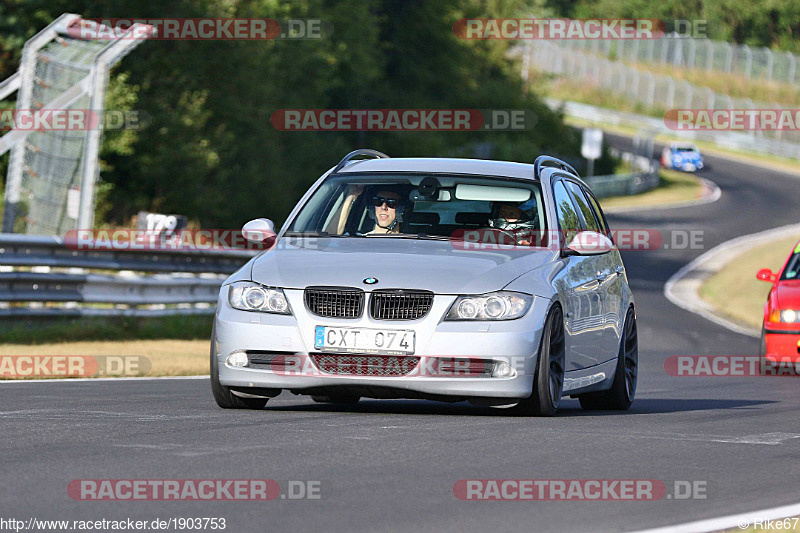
(591,148)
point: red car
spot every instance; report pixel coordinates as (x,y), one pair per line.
(780,335)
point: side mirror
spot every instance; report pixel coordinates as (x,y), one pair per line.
(766,274)
(259,230)
(589,243)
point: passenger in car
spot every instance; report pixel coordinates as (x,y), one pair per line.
(512,219)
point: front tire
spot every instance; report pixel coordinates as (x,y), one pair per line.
(223,395)
(620,396)
(548,380)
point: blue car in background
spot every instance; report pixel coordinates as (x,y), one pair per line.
(682,156)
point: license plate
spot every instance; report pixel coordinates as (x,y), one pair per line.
(364,340)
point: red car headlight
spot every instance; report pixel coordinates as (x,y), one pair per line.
(788,316)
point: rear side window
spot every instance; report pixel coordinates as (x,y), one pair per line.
(568,221)
(583,204)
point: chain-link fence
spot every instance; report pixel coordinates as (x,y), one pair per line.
(53,169)
(51,172)
(712,56)
(658,93)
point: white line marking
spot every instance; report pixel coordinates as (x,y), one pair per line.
(730,521)
(84,380)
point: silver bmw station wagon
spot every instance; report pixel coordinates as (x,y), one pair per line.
(491,282)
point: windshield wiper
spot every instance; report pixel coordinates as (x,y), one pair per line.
(430,237)
(421,236)
(310,234)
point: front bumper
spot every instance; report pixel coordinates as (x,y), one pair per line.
(688,166)
(782,345)
(514,341)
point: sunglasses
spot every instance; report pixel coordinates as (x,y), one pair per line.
(391,203)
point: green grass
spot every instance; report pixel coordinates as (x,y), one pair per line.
(735,292)
(733,85)
(674,187)
(574,91)
(42,331)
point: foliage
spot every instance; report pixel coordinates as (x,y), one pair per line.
(209,150)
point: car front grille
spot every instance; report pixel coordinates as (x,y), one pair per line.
(400,304)
(365,365)
(335,302)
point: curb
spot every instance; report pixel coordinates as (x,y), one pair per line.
(681,288)
(711,194)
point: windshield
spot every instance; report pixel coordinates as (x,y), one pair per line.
(425,207)
(792,270)
(686,149)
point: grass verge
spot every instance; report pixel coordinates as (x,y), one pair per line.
(166,357)
(674,187)
(745,304)
(42,331)
(164,346)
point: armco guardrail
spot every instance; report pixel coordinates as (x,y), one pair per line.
(747,142)
(191,287)
(644,178)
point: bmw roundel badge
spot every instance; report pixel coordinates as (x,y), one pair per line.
(370,281)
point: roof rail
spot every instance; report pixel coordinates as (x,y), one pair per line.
(549,161)
(355,153)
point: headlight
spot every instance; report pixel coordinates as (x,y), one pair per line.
(787,315)
(249,296)
(501,305)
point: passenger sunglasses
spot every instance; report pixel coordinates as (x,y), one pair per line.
(391,203)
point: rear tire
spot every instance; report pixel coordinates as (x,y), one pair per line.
(548,380)
(223,395)
(621,394)
(337,398)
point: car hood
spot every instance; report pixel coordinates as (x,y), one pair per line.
(787,294)
(397,263)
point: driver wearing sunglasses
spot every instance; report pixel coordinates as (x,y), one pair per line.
(385,203)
